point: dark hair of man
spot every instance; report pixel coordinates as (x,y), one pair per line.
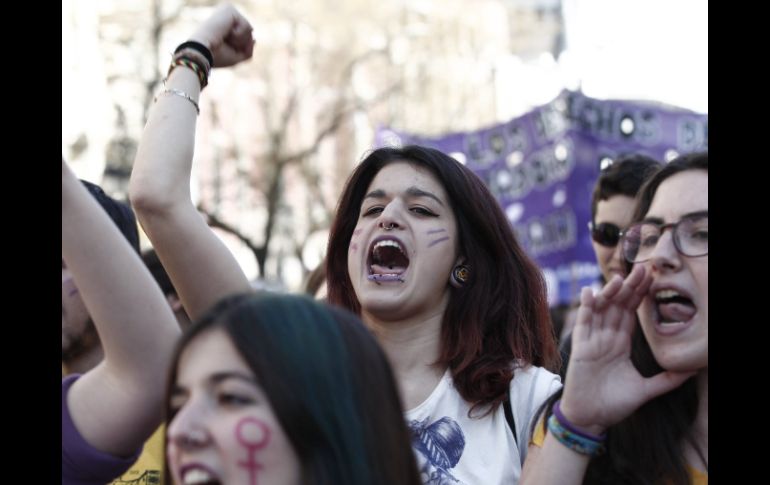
(624,177)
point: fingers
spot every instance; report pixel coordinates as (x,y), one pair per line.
(626,293)
(584,318)
(608,292)
(640,291)
(240,37)
(228,25)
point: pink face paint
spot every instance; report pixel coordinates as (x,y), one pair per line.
(253,435)
(433,243)
(353,245)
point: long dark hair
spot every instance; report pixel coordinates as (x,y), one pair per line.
(500,315)
(647,447)
(327,380)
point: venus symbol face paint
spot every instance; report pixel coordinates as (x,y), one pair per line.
(224,429)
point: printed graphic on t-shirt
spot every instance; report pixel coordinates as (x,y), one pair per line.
(148,477)
(440,445)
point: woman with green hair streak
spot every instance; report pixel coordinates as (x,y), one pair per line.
(270,388)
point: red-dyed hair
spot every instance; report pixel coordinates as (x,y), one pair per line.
(500,315)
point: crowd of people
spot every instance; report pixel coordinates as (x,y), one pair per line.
(432,360)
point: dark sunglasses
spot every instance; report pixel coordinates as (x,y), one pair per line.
(606,234)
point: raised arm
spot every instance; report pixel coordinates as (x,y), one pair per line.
(602,386)
(117,405)
(202,268)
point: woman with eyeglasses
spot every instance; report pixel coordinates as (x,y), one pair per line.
(634,408)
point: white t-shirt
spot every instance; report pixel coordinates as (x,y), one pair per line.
(452,449)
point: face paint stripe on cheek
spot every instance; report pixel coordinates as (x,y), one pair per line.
(253,435)
(353,247)
(433,243)
(436,231)
(68,282)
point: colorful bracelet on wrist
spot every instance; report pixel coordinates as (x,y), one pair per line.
(199,70)
(197,46)
(568,435)
(571,427)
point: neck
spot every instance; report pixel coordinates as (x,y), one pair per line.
(413,346)
(409,343)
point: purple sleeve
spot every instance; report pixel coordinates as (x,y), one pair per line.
(81,463)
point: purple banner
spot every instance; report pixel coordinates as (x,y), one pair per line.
(542,167)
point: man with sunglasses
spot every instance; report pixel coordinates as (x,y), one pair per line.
(612,202)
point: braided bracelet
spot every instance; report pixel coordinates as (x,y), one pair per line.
(192,65)
(197,46)
(194,56)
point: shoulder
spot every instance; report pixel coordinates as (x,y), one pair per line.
(80,460)
(531,379)
(531,386)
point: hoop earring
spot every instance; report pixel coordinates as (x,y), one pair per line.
(459,276)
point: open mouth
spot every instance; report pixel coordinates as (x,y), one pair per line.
(387,260)
(673,307)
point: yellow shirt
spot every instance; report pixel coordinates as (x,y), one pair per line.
(148,469)
(697,477)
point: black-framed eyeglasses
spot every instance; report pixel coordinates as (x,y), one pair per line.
(690,235)
(607,234)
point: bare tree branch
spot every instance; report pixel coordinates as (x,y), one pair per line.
(213,221)
(335,122)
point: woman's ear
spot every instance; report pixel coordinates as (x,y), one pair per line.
(460,273)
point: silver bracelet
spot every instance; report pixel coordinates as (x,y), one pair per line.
(177,92)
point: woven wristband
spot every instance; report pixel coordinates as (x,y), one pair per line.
(571,427)
(191,44)
(575,442)
(193,66)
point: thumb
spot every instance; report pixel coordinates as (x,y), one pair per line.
(664,382)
